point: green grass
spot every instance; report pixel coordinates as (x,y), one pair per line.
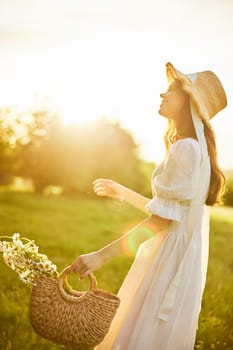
(216,319)
(66,227)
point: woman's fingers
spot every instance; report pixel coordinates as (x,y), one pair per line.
(75,266)
(87,263)
(99,188)
(85,274)
(103,183)
(78,266)
(82,271)
(102,180)
(104,187)
(100,191)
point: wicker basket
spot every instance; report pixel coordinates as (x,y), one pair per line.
(79,320)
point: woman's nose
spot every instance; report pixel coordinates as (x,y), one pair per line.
(162,95)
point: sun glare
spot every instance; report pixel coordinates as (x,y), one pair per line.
(76,112)
(118,75)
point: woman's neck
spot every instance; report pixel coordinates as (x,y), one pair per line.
(184,126)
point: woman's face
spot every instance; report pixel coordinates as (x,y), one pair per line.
(173,101)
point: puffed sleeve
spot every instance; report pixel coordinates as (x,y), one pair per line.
(177,181)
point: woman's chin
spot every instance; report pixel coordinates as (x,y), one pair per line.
(161,112)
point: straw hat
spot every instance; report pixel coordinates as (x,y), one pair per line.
(204,88)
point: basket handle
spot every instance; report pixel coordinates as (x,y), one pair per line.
(64,274)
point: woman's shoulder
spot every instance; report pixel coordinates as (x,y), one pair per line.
(188,147)
(185,143)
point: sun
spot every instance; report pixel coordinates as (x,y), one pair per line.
(75,111)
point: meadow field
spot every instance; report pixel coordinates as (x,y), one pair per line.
(65,227)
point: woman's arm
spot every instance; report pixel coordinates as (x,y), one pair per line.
(87,263)
(110,188)
(140,233)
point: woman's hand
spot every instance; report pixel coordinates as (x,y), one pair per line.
(86,263)
(109,188)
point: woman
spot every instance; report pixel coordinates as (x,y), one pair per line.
(162,292)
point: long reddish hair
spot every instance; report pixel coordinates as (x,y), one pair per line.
(217,178)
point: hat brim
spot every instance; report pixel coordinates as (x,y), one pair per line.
(204,88)
(188,87)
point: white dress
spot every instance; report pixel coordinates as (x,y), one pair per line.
(161,293)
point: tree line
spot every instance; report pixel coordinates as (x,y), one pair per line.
(36,145)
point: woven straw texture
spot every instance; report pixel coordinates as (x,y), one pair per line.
(206,91)
(79,320)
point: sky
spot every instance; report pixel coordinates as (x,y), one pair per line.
(94,58)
